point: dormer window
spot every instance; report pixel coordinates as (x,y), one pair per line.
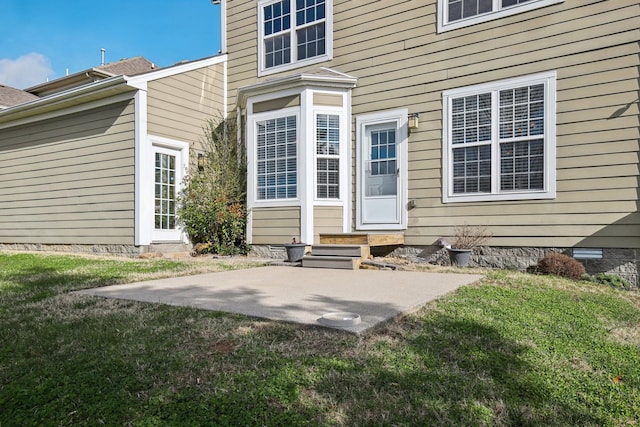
(460,13)
(293,33)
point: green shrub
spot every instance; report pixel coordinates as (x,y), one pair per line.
(212,205)
(611,280)
(216,225)
(561,265)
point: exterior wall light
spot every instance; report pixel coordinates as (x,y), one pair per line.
(202,162)
(414,121)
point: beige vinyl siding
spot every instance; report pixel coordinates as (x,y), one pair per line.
(327,99)
(276,104)
(400,61)
(242,44)
(275,225)
(326,219)
(69,180)
(179,106)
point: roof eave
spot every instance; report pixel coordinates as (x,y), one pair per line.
(65,81)
(338,80)
(96,90)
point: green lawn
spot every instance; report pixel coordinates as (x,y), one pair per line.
(515,349)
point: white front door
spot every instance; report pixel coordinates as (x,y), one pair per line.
(382,172)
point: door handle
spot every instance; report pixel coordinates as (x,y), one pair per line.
(398,173)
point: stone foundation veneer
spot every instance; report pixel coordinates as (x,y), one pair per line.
(269,251)
(624,263)
(118,250)
(126,250)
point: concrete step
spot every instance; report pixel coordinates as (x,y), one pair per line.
(322,261)
(357,251)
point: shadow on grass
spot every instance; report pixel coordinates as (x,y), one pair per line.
(36,277)
(39,282)
(450,372)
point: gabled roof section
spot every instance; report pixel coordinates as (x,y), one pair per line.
(10,96)
(180,67)
(106,88)
(323,77)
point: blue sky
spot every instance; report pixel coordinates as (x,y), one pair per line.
(42,39)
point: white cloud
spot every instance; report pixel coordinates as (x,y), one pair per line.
(25,71)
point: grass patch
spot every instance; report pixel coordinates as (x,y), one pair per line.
(515,349)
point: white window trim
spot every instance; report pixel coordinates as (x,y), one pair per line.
(495,14)
(343,157)
(549,191)
(252,151)
(328,55)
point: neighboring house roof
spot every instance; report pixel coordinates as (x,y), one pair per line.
(127,67)
(10,96)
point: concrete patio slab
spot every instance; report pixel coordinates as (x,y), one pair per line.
(299,295)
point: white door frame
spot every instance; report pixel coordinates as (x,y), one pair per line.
(179,149)
(399,118)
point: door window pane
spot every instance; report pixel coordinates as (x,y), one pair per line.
(165,192)
(381,175)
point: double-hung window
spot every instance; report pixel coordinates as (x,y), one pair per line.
(276,158)
(499,140)
(459,13)
(327,156)
(293,32)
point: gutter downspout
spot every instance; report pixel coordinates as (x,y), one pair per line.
(223,23)
(223,26)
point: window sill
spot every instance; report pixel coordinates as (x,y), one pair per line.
(274,203)
(490,16)
(292,66)
(539,195)
(328,202)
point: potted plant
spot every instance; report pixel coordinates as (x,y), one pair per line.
(466,237)
(295,250)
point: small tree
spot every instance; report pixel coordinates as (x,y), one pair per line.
(212,204)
